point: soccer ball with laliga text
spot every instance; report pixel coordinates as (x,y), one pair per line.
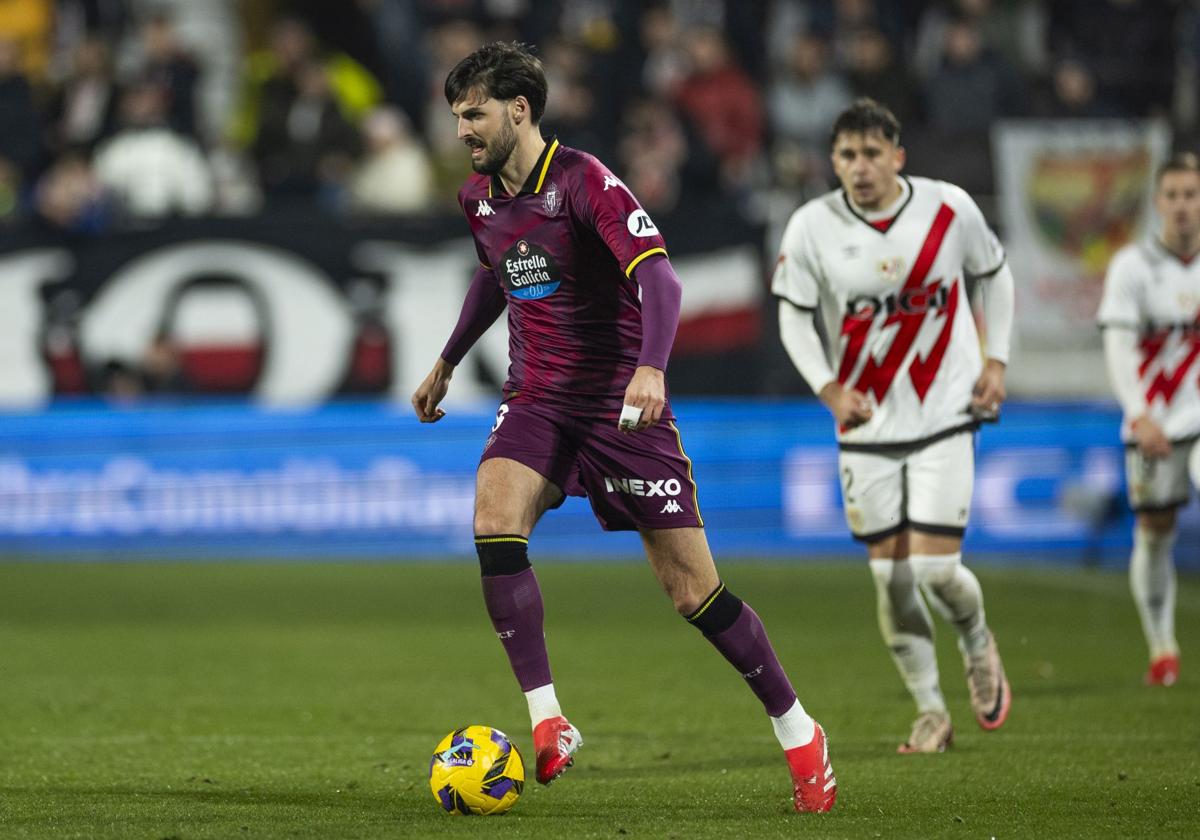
(476,770)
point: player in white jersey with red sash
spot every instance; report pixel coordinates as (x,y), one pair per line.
(883,263)
(1151,320)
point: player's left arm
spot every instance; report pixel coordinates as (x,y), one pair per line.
(601,201)
(662,294)
(998,306)
(984,260)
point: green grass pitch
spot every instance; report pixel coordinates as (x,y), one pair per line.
(303,700)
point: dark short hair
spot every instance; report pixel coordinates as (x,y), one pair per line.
(864,116)
(1178,162)
(500,70)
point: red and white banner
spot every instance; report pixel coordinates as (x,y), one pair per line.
(290,316)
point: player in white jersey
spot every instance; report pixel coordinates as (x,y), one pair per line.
(882,262)
(1151,320)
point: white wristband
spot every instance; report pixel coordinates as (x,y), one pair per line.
(631,415)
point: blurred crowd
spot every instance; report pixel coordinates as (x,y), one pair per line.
(118,113)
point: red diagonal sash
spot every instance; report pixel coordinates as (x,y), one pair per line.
(878,377)
(1164,384)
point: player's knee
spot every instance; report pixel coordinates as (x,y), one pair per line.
(1158,522)
(934,569)
(716,613)
(502,554)
(490,521)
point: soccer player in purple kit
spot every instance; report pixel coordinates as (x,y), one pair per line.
(593,304)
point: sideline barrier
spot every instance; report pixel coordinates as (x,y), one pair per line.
(367,480)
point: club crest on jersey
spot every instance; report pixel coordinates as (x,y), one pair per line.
(529,273)
(552,199)
(639,224)
(891,270)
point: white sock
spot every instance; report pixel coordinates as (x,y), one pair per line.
(907,630)
(956,594)
(543,703)
(794,728)
(1152,580)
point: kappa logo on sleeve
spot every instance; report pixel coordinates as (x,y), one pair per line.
(639,224)
(611,181)
(484,209)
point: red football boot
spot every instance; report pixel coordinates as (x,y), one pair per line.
(555,741)
(813,782)
(1164,670)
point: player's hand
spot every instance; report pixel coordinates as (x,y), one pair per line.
(989,393)
(647,391)
(850,408)
(432,391)
(1149,437)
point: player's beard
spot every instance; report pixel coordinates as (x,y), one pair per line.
(497,153)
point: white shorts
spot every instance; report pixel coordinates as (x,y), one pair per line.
(926,488)
(1159,483)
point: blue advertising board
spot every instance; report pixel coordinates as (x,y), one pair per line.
(367,480)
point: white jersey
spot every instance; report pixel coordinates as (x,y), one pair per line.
(894,304)
(1151,290)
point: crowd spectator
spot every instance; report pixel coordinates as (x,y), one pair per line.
(151,171)
(807,95)
(1072,94)
(175,72)
(273,77)
(334,103)
(872,70)
(722,103)
(305,147)
(70,198)
(83,109)
(974,87)
(395,175)
(20,143)
(1014,29)
(1129,44)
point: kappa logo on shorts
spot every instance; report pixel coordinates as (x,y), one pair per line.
(643,486)
(671,506)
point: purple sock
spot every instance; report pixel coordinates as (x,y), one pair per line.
(514,603)
(738,633)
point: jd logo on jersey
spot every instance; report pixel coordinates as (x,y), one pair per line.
(529,272)
(639,224)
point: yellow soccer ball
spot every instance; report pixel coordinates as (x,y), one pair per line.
(476,770)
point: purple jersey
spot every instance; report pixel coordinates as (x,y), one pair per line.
(564,250)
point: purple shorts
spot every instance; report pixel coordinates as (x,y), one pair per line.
(636,480)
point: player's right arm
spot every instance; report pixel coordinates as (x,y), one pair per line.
(796,284)
(1120,319)
(482,306)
